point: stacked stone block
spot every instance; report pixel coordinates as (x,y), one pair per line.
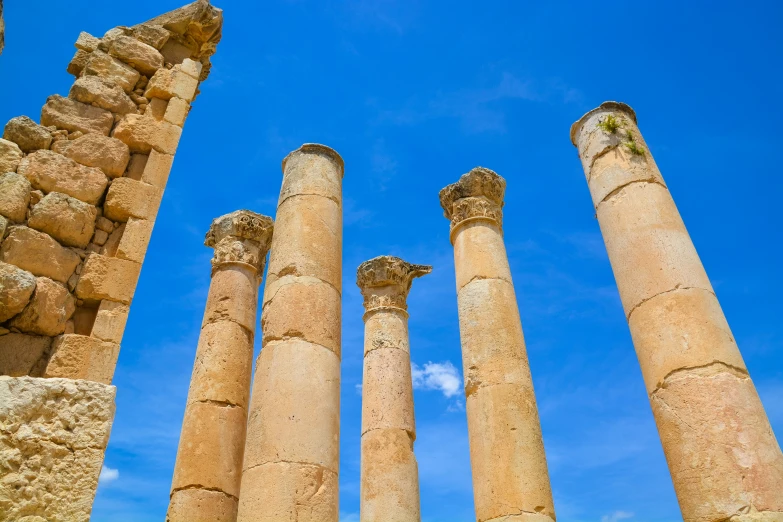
(510,476)
(79,194)
(723,456)
(390,474)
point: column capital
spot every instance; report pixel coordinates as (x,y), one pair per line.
(240,237)
(386,280)
(478,195)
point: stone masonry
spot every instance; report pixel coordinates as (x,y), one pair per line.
(208,470)
(723,457)
(79,194)
(389,473)
(292,453)
(510,477)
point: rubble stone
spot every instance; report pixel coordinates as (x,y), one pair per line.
(72,115)
(22,354)
(27,134)
(94,150)
(102,93)
(78,62)
(128,198)
(170,83)
(14,196)
(87,42)
(16,289)
(10,156)
(152,35)
(51,172)
(49,309)
(107,278)
(143,133)
(109,68)
(68,220)
(54,434)
(144,58)
(39,254)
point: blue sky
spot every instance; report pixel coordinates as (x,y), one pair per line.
(412,95)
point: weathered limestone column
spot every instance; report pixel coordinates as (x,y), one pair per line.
(722,453)
(510,477)
(390,475)
(209,460)
(292,451)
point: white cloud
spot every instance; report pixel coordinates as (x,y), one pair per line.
(616,516)
(359,389)
(108,475)
(349,517)
(443,377)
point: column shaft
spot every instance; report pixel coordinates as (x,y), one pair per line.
(510,477)
(292,449)
(722,454)
(207,472)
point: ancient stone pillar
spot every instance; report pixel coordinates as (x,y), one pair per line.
(79,194)
(208,470)
(292,450)
(390,475)
(510,477)
(722,453)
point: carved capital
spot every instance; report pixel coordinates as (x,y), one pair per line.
(240,237)
(477,195)
(386,280)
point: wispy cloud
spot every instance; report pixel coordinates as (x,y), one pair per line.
(443,377)
(616,516)
(349,517)
(108,475)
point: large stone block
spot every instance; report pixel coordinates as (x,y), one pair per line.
(53,433)
(141,56)
(288,492)
(14,196)
(22,355)
(27,134)
(99,92)
(48,311)
(78,62)
(129,198)
(52,172)
(176,111)
(39,254)
(16,289)
(110,321)
(389,477)
(170,83)
(93,150)
(144,133)
(68,220)
(81,357)
(135,239)
(107,278)
(387,392)
(109,68)
(211,447)
(87,42)
(157,168)
(71,115)
(150,34)
(10,156)
(201,505)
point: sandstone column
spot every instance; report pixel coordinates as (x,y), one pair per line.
(292,452)
(722,453)
(510,477)
(390,475)
(209,460)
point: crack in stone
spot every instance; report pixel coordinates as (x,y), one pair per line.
(331,198)
(678,287)
(651,181)
(739,373)
(308,464)
(224,404)
(203,488)
(292,281)
(247,330)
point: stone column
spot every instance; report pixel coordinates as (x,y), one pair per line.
(390,475)
(292,451)
(510,477)
(207,473)
(722,453)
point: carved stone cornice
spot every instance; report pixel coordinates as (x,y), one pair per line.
(240,237)
(478,195)
(385,282)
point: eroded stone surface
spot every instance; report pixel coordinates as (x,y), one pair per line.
(10,156)
(109,278)
(49,309)
(68,220)
(52,172)
(39,254)
(72,115)
(93,150)
(107,67)
(27,134)
(129,198)
(14,196)
(144,133)
(200,505)
(16,289)
(170,83)
(23,355)
(53,433)
(81,357)
(141,56)
(99,92)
